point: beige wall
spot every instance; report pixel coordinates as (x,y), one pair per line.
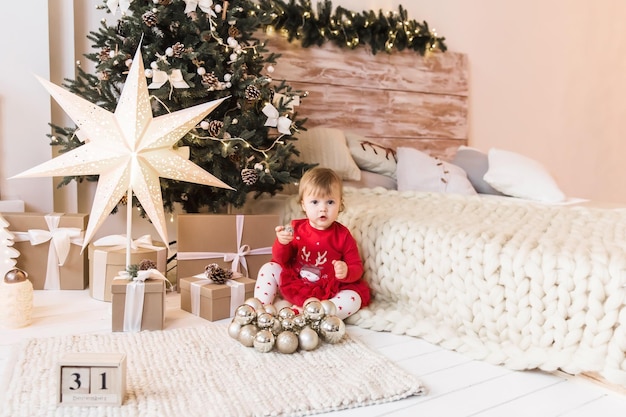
(547,80)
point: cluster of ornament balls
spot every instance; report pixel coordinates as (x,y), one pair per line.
(270,326)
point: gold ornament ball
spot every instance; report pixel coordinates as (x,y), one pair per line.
(308,339)
(287,342)
(15,275)
(271,309)
(286,313)
(265,321)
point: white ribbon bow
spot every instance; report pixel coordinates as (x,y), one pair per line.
(205,6)
(135,294)
(60,240)
(123,4)
(237,258)
(159,78)
(282,123)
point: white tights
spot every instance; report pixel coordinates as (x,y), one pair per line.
(347,302)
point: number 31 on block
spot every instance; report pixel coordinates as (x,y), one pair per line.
(92,379)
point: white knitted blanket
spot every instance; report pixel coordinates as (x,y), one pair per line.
(507,282)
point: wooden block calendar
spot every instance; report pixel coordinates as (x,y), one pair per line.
(92,379)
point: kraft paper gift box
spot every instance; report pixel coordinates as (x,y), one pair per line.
(50,247)
(211,301)
(242,243)
(107,257)
(138,304)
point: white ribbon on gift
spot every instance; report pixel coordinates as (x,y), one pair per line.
(117,242)
(238,258)
(237,293)
(60,240)
(282,123)
(135,294)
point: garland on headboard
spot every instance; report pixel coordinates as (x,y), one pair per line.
(381,31)
(201,50)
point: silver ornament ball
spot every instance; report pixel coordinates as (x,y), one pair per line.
(313,310)
(332,329)
(233,329)
(246,335)
(265,321)
(286,313)
(245,314)
(299,321)
(287,342)
(255,303)
(270,308)
(330,309)
(308,339)
(264,341)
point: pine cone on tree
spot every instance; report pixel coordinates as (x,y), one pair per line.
(249,176)
(150,18)
(215,126)
(234,32)
(178,49)
(217,274)
(210,81)
(252,93)
(104,54)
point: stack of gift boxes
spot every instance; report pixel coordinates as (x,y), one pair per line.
(50,247)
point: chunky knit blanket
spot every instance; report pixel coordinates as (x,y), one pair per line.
(508,282)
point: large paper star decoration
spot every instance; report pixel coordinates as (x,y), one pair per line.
(129,149)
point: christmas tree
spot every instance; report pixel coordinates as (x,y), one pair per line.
(202,50)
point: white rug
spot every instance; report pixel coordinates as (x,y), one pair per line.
(203,372)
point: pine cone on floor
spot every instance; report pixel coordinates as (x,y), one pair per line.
(217,274)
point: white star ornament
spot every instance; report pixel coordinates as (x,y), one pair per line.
(129,149)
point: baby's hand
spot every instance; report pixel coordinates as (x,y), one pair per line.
(341,269)
(284,234)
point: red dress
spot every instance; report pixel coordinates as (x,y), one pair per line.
(307,263)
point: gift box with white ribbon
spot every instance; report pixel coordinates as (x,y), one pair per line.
(107,257)
(50,247)
(138,303)
(212,301)
(241,243)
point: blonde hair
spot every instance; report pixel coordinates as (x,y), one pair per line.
(321,181)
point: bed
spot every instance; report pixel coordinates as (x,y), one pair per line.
(458,249)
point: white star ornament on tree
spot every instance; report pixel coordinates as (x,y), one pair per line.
(129,150)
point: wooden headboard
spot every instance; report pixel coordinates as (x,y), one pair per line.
(397,99)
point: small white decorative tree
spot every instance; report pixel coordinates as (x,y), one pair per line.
(7,252)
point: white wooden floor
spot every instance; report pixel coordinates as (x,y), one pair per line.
(457,386)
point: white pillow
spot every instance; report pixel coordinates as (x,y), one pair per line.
(519,176)
(418,171)
(370,156)
(328,148)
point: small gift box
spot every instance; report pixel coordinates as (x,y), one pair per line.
(237,242)
(50,247)
(107,257)
(211,301)
(139,303)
